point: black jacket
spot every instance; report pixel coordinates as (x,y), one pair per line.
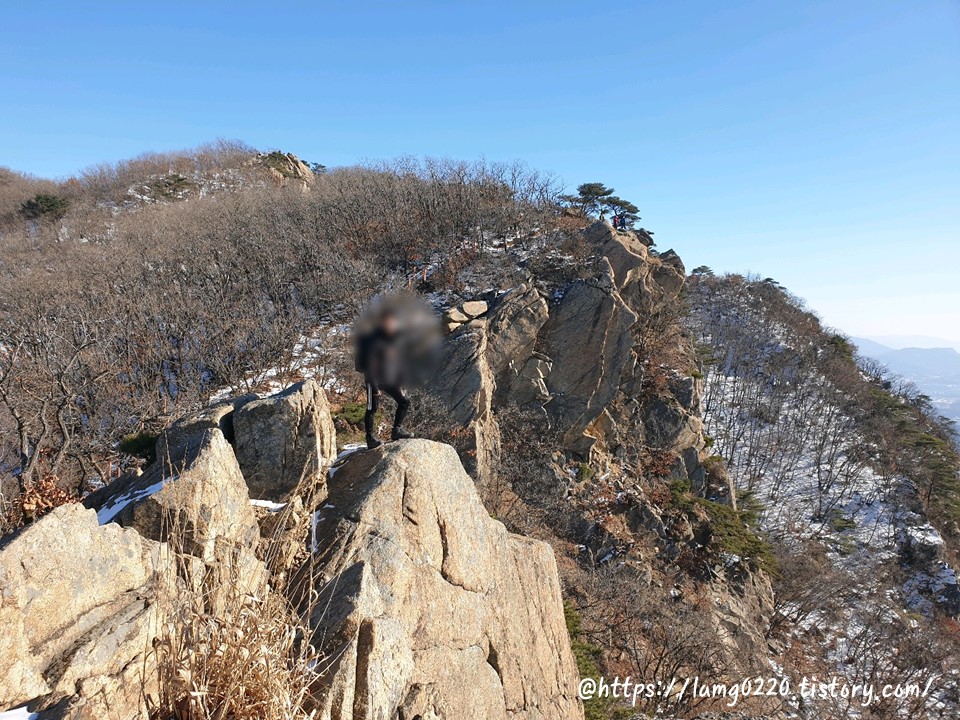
(378,358)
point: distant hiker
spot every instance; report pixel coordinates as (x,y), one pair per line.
(394,339)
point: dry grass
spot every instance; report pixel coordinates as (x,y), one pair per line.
(248,660)
(231,645)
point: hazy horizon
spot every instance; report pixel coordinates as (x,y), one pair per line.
(812,143)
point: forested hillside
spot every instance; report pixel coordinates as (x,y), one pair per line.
(853,475)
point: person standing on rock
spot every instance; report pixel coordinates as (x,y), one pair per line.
(379,358)
(397,344)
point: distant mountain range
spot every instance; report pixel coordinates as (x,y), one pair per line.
(900,342)
(935,370)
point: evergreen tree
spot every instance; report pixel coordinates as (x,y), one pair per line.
(626,209)
(590,198)
(594,197)
(43,205)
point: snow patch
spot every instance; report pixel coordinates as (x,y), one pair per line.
(20,713)
(112,509)
(269,505)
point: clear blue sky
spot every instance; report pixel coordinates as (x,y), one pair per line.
(814,142)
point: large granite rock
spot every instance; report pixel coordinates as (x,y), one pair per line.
(430,608)
(285,440)
(588,337)
(184,431)
(197,486)
(514,323)
(464,386)
(76,613)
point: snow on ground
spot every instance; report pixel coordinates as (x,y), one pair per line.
(804,493)
(345,451)
(308,358)
(269,505)
(854,511)
(110,511)
(20,713)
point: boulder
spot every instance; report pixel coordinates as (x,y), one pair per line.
(669,273)
(464,386)
(76,613)
(513,325)
(669,426)
(428,606)
(185,430)
(529,386)
(456,316)
(643,279)
(688,391)
(627,256)
(199,487)
(286,439)
(474,308)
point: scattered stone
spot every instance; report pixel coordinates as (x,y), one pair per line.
(456,316)
(474,308)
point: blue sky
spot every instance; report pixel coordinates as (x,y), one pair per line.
(814,142)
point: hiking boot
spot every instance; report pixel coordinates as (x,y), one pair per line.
(398,433)
(372,442)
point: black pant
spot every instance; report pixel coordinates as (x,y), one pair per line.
(373,404)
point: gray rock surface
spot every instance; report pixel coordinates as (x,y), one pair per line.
(436,610)
(285,439)
(200,487)
(588,337)
(464,386)
(75,611)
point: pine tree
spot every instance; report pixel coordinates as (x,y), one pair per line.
(43,205)
(594,197)
(590,198)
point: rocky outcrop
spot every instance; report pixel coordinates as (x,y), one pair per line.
(588,337)
(428,606)
(76,613)
(514,324)
(670,426)
(286,166)
(741,611)
(463,387)
(197,489)
(285,441)
(573,358)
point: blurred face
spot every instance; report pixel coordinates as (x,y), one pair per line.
(390,324)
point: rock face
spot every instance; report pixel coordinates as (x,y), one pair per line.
(199,485)
(435,610)
(76,613)
(464,387)
(284,440)
(79,600)
(574,359)
(599,358)
(287,166)
(589,339)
